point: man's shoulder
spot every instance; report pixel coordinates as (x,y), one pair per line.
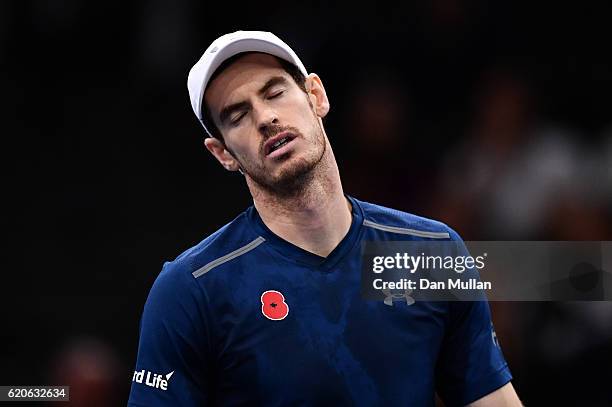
(176,286)
(235,236)
(393,220)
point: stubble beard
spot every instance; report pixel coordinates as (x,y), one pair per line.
(294,176)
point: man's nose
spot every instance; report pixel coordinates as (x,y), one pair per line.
(267,118)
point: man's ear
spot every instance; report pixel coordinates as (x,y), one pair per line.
(317,95)
(217,148)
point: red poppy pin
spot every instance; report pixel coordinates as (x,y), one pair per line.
(273,305)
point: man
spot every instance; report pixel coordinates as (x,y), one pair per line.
(267,310)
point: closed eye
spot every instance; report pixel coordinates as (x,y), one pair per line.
(236,120)
(276,94)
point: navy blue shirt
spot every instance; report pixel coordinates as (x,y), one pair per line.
(247,318)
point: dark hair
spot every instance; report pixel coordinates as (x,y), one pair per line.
(287,66)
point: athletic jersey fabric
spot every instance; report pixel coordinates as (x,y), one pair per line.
(247,318)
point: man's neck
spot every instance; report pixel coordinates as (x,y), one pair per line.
(316,219)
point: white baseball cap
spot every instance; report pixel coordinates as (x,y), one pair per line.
(226,47)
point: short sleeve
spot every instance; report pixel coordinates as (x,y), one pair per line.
(471,364)
(173,362)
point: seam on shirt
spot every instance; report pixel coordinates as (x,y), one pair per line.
(238,252)
(405,231)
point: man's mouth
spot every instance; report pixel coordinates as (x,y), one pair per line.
(278,141)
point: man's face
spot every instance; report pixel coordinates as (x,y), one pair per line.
(270,126)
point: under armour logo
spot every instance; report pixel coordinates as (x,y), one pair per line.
(390,297)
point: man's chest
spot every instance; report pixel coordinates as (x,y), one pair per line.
(317,335)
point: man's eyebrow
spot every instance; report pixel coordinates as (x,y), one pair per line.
(275,80)
(228,110)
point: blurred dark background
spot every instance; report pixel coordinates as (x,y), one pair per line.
(493,117)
